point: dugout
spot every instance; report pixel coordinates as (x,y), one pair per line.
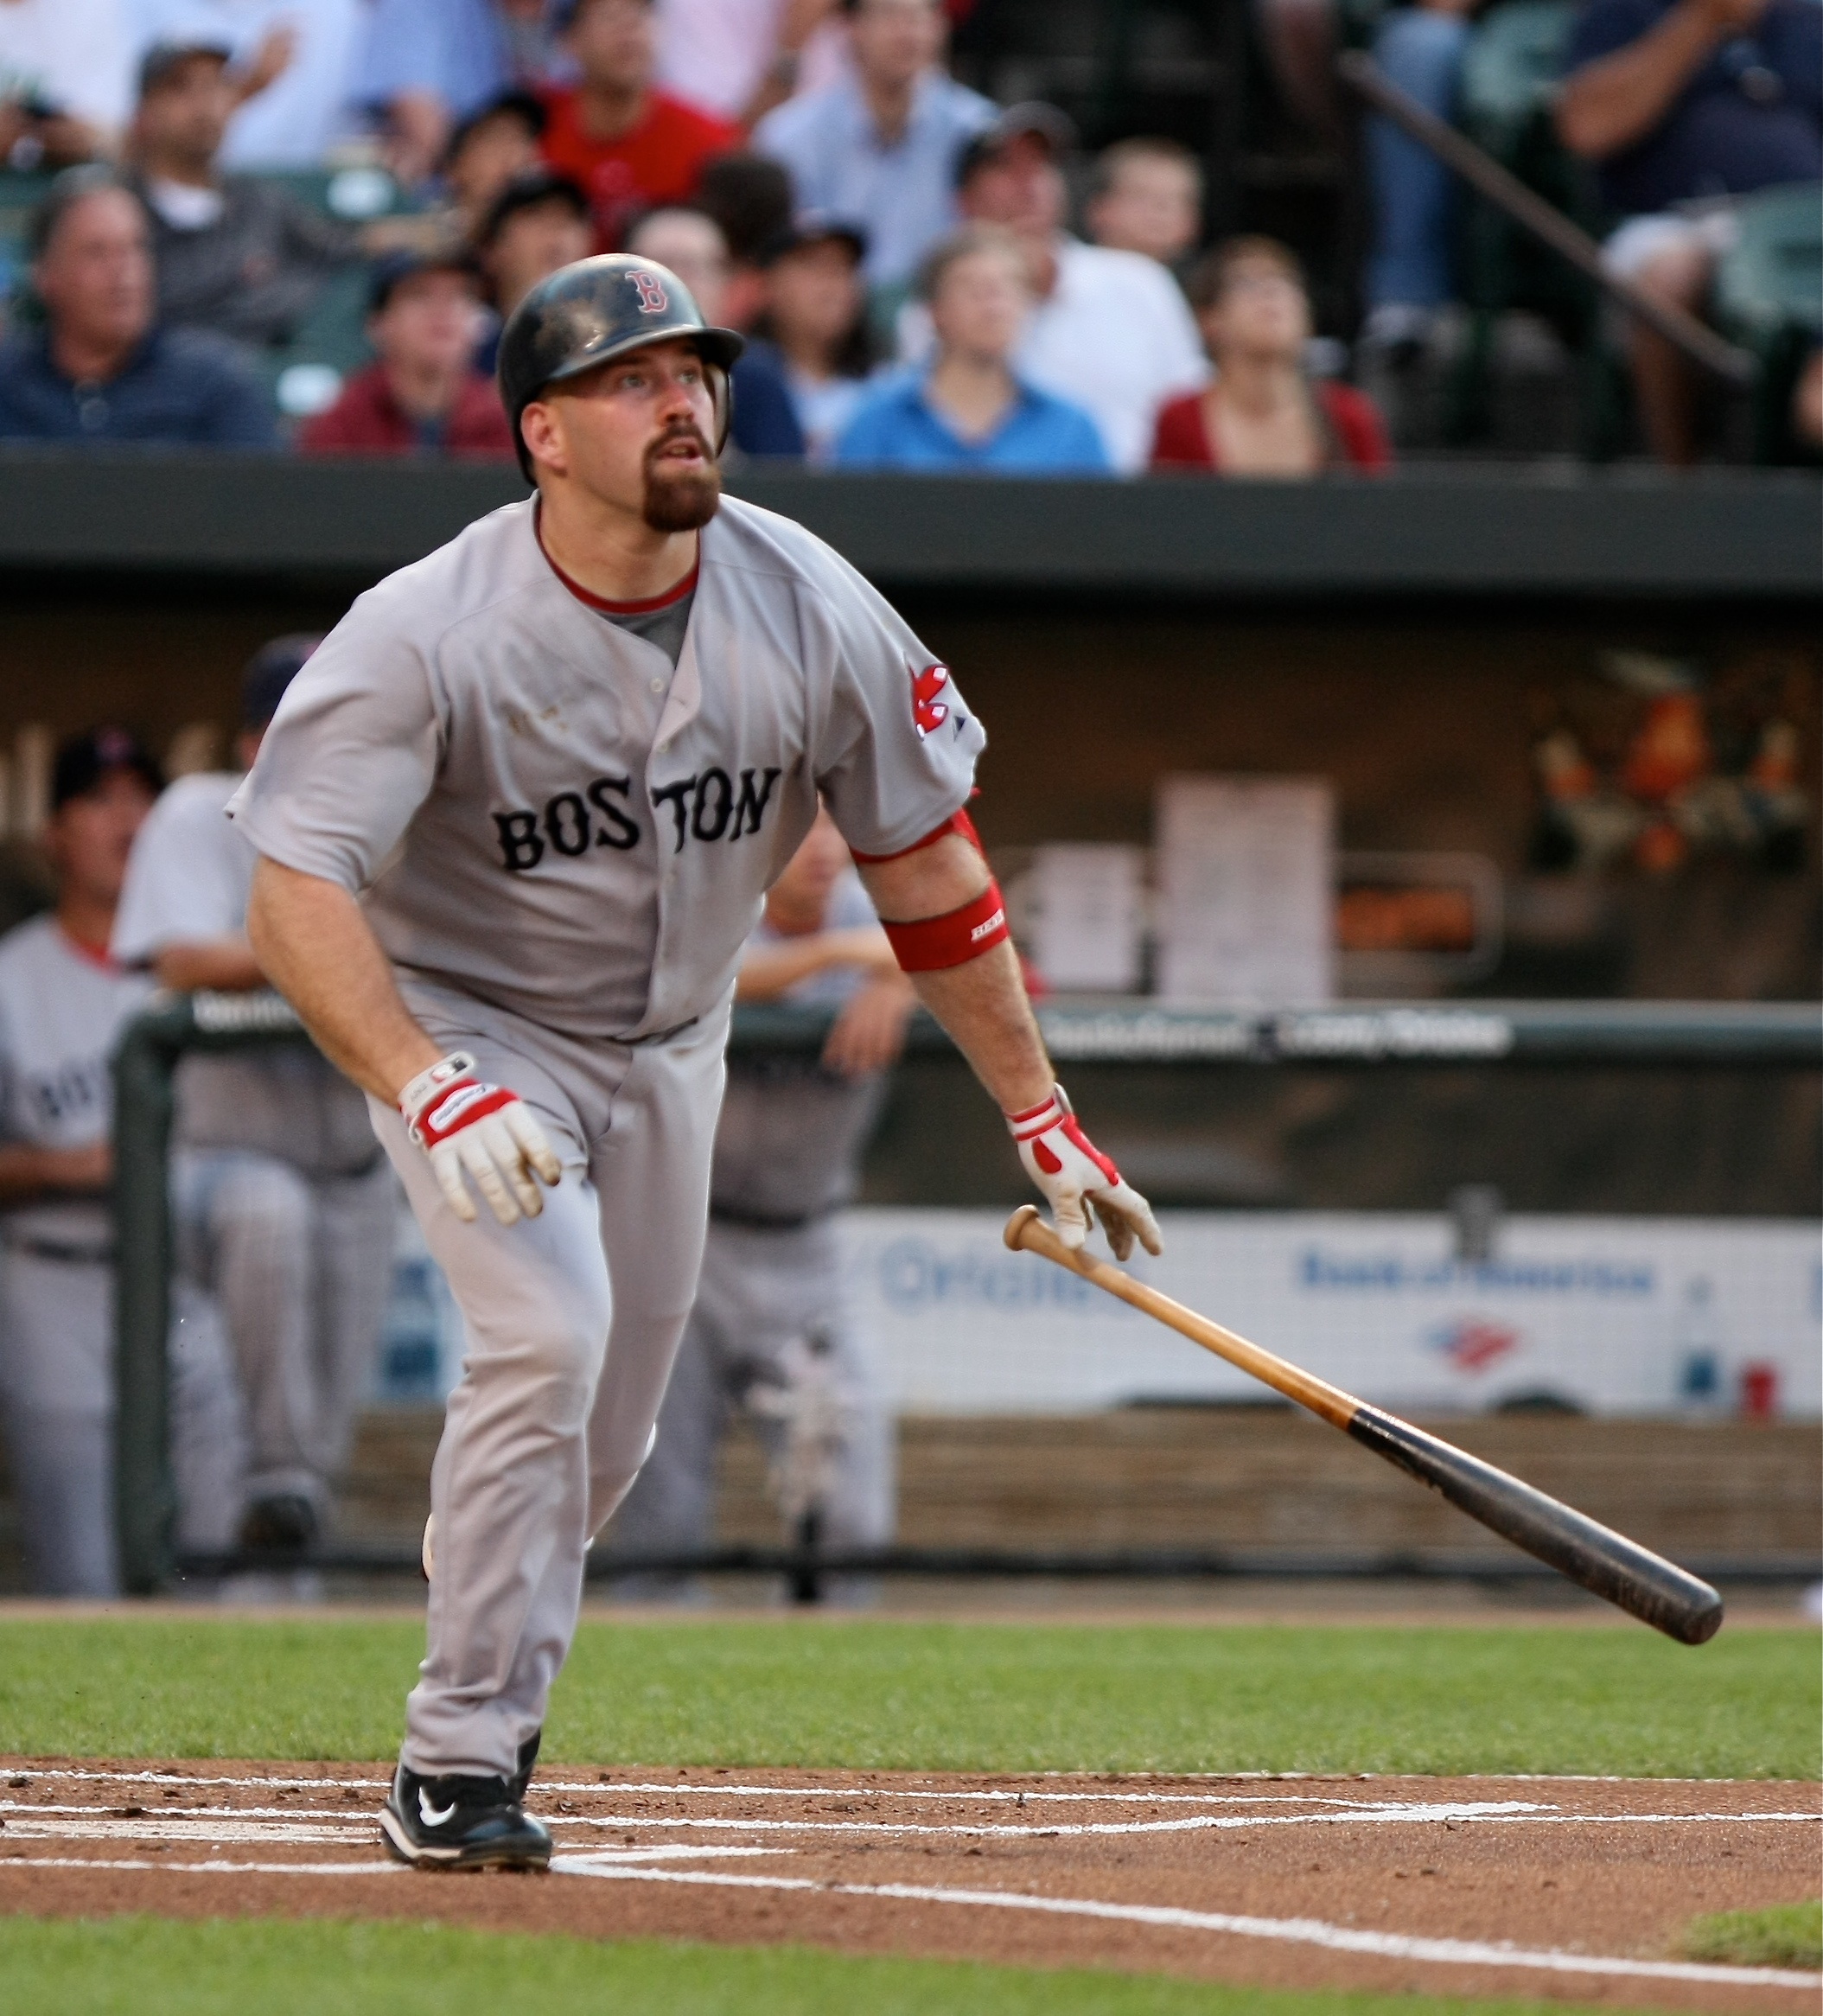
(1409,638)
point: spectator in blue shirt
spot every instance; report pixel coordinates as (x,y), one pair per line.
(101,369)
(881,147)
(968,410)
(1682,105)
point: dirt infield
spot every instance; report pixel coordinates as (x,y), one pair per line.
(1574,1888)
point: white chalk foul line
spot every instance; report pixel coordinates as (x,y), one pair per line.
(634,1866)
(1292,1931)
(253,1824)
(1010,1795)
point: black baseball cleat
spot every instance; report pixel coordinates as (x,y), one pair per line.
(461,1824)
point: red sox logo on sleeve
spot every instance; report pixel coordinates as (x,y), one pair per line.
(930,712)
(654,300)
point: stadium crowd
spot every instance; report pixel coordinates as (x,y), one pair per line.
(239,174)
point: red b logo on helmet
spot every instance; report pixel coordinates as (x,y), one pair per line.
(654,300)
(930,712)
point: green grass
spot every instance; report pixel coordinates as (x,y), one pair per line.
(879,1694)
(152,1966)
(1789,1934)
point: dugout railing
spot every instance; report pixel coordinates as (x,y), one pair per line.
(1601,1035)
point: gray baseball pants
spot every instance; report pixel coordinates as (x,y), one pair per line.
(57,1398)
(572,1321)
(762,1289)
(301,1264)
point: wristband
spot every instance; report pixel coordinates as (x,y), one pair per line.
(448,1096)
(929,944)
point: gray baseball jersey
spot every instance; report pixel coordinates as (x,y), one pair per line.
(188,879)
(61,1013)
(788,1145)
(543,811)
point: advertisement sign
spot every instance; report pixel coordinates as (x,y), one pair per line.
(1609,1315)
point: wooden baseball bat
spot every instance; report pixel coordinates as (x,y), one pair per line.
(1606,1563)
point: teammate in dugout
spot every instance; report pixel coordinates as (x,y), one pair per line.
(282,1204)
(63,1005)
(515,819)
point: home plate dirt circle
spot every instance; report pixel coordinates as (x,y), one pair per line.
(1567,1887)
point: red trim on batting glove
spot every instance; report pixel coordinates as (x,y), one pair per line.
(958,822)
(929,944)
(456,1107)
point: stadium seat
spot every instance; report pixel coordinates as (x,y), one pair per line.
(1769,299)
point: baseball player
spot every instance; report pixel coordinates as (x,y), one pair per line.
(516,818)
(63,1003)
(284,1204)
(771,1331)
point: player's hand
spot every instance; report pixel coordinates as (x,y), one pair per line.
(869,1032)
(484,1131)
(1076,1177)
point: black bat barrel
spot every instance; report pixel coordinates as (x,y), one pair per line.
(1605,1563)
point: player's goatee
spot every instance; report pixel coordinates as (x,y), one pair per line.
(680,499)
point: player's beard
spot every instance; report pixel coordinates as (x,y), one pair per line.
(680,499)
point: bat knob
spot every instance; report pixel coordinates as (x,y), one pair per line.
(1016,1225)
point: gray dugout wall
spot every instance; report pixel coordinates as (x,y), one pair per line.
(1406,638)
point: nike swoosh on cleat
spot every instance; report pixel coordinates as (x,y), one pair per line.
(431,1815)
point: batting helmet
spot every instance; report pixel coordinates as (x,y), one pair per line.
(582,315)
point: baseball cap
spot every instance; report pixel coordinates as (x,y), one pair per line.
(82,761)
(812,227)
(269,672)
(389,272)
(526,192)
(1032,120)
(164,58)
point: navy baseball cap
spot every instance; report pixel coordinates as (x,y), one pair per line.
(164,58)
(269,672)
(395,268)
(814,227)
(1031,120)
(82,761)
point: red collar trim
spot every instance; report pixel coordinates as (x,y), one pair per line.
(95,956)
(650,607)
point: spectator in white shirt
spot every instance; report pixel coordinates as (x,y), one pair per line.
(295,60)
(1110,331)
(880,146)
(65,80)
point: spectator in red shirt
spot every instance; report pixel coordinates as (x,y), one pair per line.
(424,395)
(631,147)
(1260,416)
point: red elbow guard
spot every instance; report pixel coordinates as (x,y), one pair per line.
(929,943)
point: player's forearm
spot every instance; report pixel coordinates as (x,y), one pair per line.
(28,1171)
(226,964)
(772,970)
(1610,103)
(318,950)
(982,1002)
(983,1005)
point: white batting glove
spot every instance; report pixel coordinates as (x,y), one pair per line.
(1074,1175)
(462,1124)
